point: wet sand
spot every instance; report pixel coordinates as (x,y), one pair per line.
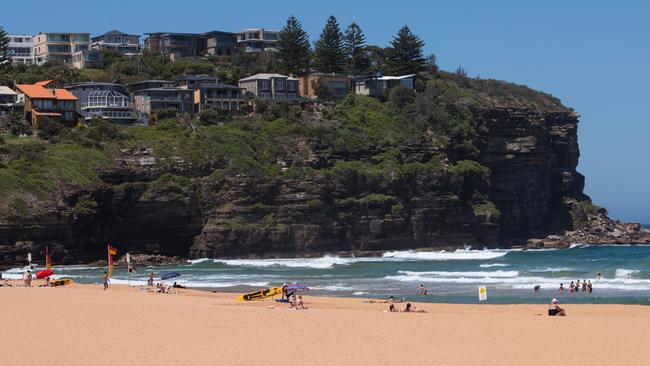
(84,325)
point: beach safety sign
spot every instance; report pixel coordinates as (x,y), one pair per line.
(482,293)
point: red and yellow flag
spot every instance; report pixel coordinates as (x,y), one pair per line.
(111,252)
(48,259)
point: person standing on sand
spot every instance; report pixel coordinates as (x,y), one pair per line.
(27,278)
(150,280)
(105,281)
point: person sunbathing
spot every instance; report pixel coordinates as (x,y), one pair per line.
(412,309)
(555,310)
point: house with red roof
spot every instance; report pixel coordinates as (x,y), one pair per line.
(44,100)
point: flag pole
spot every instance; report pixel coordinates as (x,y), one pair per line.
(128,266)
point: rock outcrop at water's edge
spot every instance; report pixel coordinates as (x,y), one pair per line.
(522,185)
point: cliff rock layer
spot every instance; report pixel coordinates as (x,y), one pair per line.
(447,168)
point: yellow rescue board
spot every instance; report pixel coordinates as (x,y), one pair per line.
(60,282)
(260,294)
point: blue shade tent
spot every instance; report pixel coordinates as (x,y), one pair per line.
(169,275)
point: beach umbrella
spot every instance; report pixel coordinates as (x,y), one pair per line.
(169,275)
(44,273)
(296,286)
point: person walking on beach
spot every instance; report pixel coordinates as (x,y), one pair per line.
(105,281)
(27,278)
(150,280)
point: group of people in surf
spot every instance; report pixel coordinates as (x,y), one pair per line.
(585,286)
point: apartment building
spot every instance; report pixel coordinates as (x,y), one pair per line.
(106,100)
(21,49)
(271,86)
(59,47)
(256,40)
(120,42)
(44,100)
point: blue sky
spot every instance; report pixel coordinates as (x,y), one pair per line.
(593,55)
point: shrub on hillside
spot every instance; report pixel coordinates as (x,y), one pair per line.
(18,125)
(48,128)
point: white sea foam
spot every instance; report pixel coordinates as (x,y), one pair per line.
(490,265)
(505,280)
(495,274)
(360,293)
(626,273)
(444,255)
(336,287)
(200,260)
(317,263)
(550,269)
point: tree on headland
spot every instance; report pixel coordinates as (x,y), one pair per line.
(293,47)
(4,47)
(355,42)
(329,52)
(405,55)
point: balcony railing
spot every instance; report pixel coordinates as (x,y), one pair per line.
(105,105)
(110,114)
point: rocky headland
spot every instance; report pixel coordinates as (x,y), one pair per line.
(464,162)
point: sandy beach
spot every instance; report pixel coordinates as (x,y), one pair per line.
(84,325)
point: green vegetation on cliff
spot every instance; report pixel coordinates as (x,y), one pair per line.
(361,146)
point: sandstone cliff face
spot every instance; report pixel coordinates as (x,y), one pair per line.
(532,156)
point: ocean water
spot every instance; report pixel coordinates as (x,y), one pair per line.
(454,277)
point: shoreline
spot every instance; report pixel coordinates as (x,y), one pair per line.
(87,325)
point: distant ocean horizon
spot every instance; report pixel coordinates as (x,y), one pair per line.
(452,277)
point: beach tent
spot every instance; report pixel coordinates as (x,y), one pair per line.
(169,275)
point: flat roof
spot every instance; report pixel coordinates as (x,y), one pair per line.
(7,90)
(265,76)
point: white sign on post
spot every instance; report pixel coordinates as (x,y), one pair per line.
(482,293)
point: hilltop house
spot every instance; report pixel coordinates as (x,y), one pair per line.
(338,85)
(122,43)
(87,59)
(210,93)
(173,45)
(106,100)
(256,40)
(377,86)
(271,86)
(10,102)
(43,100)
(151,96)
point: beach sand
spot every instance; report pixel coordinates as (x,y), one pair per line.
(83,325)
